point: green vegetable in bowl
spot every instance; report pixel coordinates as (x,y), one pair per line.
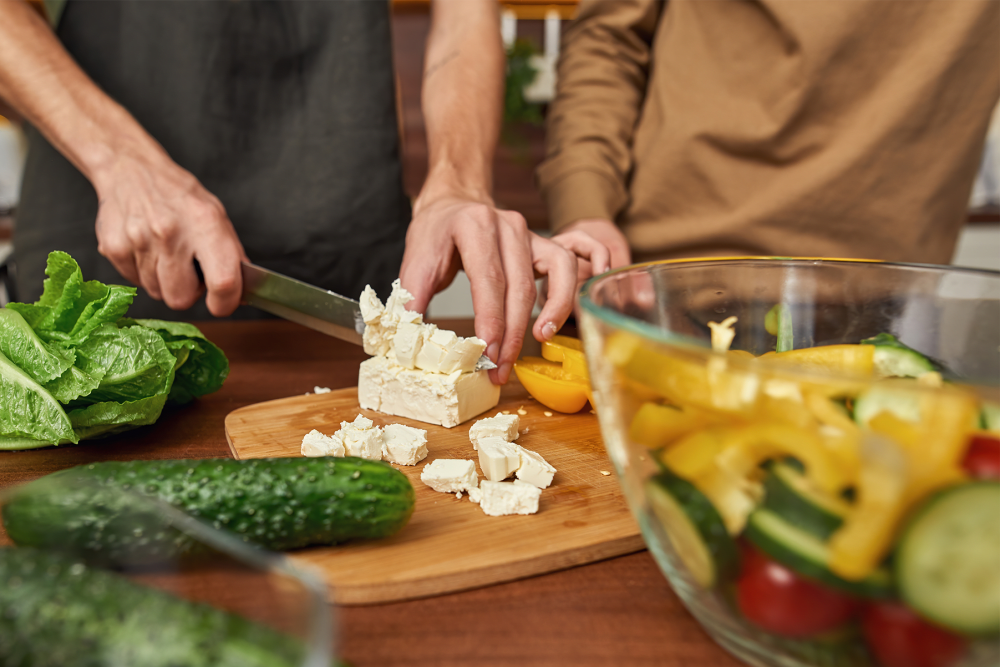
(73,367)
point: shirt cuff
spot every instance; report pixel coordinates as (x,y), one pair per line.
(580,195)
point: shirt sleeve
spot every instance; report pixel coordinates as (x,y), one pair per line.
(602,75)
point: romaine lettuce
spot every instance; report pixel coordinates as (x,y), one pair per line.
(72,367)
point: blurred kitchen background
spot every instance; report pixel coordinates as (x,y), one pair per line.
(531,30)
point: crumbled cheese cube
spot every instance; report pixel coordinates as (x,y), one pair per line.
(404,445)
(502,498)
(502,426)
(533,469)
(450,475)
(361,438)
(498,458)
(315,443)
(406,343)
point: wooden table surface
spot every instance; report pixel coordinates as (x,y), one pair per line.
(616,612)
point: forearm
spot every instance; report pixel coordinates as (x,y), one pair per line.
(603,73)
(462,99)
(43,83)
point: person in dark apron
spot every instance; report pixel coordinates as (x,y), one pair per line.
(264,129)
(285,111)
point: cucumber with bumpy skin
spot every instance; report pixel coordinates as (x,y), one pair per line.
(275,503)
(58,612)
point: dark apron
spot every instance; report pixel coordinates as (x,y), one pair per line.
(283,110)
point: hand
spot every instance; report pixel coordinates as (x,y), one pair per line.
(604,232)
(582,235)
(154,219)
(502,259)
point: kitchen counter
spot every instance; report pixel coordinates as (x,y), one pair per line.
(617,612)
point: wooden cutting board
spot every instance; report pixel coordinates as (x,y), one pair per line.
(450,544)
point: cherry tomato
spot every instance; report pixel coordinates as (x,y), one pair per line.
(982,458)
(778,600)
(899,638)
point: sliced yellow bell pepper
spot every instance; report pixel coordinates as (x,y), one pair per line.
(850,359)
(656,426)
(869,529)
(694,454)
(568,351)
(549,384)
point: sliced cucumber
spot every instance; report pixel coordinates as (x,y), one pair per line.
(790,495)
(989,417)
(808,555)
(900,402)
(948,561)
(695,528)
(893,359)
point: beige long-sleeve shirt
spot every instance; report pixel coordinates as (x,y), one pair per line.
(833,128)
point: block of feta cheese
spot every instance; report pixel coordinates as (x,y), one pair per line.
(501,426)
(403,444)
(533,469)
(450,475)
(361,438)
(502,498)
(435,398)
(498,458)
(315,443)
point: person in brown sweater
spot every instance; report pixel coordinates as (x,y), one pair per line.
(771,127)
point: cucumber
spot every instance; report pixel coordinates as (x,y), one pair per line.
(900,402)
(788,493)
(695,528)
(948,560)
(989,417)
(893,359)
(58,612)
(808,555)
(275,503)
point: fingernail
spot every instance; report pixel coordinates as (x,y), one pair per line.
(492,351)
(503,373)
(549,330)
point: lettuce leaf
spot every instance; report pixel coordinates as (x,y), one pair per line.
(43,361)
(69,308)
(30,413)
(202,365)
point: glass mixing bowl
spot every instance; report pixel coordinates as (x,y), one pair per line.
(747,464)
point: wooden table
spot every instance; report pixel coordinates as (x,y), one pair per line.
(617,612)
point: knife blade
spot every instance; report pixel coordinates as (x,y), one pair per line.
(325,311)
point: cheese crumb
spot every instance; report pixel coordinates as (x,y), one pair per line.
(450,475)
(521,411)
(403,444)
(723,334)
(315,443)
(321,390)
(498,458)
(501,426)
(361,438)
(533,469)
(547,413)
(503,498)
(605,473)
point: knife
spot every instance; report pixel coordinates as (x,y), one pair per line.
(310,306)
